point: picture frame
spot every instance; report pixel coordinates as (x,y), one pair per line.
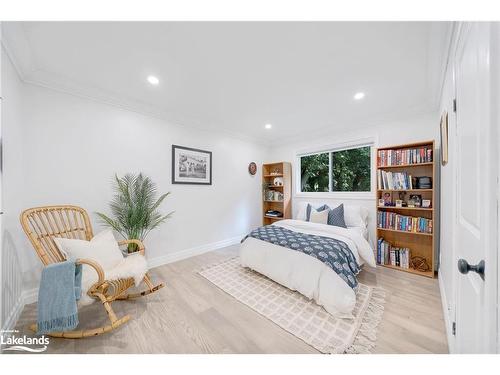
(444,138)
(381,202)
(387,197)
(426,203)
(399,203)
(191,166)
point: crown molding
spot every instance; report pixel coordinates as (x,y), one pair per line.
(17,48)
(362,125)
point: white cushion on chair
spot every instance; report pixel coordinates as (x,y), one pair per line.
(103,249)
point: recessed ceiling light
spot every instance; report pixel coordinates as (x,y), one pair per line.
(268,126)
(153,80)
(359,95)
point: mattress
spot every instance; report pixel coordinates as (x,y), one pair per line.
(306,274)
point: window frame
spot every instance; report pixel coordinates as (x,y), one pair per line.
(349,145)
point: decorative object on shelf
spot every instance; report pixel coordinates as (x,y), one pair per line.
(274,213)
(426,203)
(417,200)
(381,202)
(414,182)
(275,172)
(402,198)
(252,168)
(444,138)
(278,181)
(420,264)
(134,208)
(387,199)
(399,203)
(191,166)
(269,195)
(424,182)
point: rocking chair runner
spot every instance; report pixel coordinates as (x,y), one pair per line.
(42,224)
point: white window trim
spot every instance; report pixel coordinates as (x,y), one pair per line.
(341,146)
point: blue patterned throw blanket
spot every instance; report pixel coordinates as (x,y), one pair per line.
(332,252)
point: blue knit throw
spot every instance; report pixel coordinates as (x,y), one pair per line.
(60,289)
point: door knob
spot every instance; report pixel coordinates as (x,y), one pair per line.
(465,267)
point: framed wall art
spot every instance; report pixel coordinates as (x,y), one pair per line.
(444,138)
(191,166)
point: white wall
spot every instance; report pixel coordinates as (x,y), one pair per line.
(72,147)
(420,128)
(12,252)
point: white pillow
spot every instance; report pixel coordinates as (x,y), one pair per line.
(103,249)
(319,217)
(301,212)
(355,216)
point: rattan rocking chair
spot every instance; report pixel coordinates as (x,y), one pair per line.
(42,224)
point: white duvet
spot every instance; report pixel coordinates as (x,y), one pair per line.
(304,273)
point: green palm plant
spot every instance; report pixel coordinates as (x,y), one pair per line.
(134,207)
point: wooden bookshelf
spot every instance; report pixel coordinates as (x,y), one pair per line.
(420,243)
(270,171)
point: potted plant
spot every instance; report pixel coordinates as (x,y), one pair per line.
(134,208)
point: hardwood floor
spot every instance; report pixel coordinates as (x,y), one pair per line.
(190,315)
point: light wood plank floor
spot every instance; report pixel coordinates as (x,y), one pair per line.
(190,315)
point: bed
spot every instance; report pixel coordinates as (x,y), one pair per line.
(304,273)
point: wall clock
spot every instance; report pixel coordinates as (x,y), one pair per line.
(252,168)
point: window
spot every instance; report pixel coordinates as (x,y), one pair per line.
(336,171)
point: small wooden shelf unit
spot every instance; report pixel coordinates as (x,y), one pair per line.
(269,173)
(420,244)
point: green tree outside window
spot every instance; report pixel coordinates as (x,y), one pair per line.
(350,171)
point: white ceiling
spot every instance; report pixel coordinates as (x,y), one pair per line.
(236,76)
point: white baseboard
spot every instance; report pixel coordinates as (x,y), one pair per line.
(31,296)
(447,321)
(16,311)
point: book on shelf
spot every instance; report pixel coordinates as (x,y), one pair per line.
(391,255)
(394,180)
(407,156)
(394,221)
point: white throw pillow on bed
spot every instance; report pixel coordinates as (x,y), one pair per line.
(355,216)
(320,217)
(302,211)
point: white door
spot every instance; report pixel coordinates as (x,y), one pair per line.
(476,220)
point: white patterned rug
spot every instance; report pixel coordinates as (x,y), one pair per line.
(297,314)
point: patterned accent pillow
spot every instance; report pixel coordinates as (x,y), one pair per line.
(309,208)
(336,217)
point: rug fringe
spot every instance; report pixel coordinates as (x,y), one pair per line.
(365,339)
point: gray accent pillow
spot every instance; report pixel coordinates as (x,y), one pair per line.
(336,217)
(309,208)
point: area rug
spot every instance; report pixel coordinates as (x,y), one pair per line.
(299,315)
